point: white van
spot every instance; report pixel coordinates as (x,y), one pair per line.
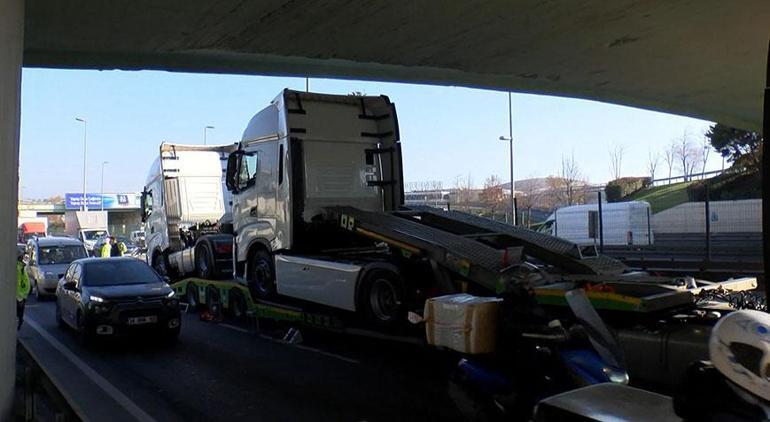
(623,223)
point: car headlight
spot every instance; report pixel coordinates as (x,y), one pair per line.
(97,299)
(171,294)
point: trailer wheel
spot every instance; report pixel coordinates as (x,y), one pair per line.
(204,262)
(191,296)
(236,304)
(213,301)
(382,297)
(261,276)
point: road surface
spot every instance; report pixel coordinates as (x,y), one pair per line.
(221,372)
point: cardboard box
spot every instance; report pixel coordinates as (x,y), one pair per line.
(462,322)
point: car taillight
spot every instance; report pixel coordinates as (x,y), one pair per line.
(223,248)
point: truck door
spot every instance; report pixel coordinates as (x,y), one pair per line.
(254,206)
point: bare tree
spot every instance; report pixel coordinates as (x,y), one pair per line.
(652,163)
(669,156)
(492,196)
(463,190)
(686,155)
(528,199)
(568,188)
(616,160)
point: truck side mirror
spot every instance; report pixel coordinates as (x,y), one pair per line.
(232,171)
(143,205)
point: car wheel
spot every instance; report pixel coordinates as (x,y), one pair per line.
(382,299)
(191,296)
(261,276)
(204,263)
(236,304)
(59,319)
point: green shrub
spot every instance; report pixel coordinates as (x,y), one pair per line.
(618,189)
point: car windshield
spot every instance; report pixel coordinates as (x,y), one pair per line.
(113,272)
(64,254)
(94,234)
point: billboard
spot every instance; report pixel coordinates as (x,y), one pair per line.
(108,201)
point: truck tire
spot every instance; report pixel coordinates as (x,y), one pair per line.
(204,261)
(213,301)
(191,296)
(159,264)
(382,298)
(236,304)
(261,276)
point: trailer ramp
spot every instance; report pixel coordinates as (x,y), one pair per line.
(551,250)
(478,262)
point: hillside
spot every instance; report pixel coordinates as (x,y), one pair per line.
(725,187)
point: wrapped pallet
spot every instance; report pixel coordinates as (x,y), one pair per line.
(462,322)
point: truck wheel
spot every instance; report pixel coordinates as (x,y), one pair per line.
(191,296)
(236,304)
(204,262)
(382,298)
(261,276)
(213,301)
(159,264)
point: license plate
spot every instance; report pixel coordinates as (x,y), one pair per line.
(143,320)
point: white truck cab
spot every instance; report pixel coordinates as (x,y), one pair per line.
(302,153)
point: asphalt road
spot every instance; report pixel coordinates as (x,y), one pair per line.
(219,372)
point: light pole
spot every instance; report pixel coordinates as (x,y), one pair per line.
(101,200)
(509,138)
(85,158)
(204,133)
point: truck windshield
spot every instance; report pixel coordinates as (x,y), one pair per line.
(50,255)
(94,234)
(113,272)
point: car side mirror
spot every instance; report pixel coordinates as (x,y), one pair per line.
(69,285)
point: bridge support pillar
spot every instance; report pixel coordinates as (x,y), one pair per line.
(11,39)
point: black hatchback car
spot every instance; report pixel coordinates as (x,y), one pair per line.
(107,297)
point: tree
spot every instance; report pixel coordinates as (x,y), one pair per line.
(652,163)
(669,156)
(686,155)
(492,195)
(463,190)
(738,146)
(616,160)
(568,188)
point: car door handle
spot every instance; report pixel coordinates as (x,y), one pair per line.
(253,211)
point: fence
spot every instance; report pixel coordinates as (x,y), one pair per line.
(723,237)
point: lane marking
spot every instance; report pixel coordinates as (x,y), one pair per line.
(298,346)
(233,327)
(99,380)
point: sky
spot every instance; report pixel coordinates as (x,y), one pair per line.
(446,132)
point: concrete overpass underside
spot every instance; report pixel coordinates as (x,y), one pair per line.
(702,58)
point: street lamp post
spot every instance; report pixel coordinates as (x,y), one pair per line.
(85,158)
(509,138)
(101,200)
(204,133)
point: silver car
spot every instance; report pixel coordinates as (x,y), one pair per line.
(49,258)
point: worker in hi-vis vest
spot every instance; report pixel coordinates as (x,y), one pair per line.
(22,288)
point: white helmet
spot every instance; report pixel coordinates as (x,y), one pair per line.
(739,348)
